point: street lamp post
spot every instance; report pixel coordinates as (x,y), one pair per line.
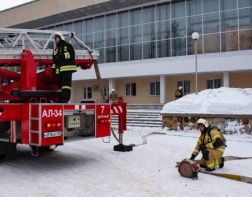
(195,37)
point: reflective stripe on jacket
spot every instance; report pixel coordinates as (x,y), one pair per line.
(64,57)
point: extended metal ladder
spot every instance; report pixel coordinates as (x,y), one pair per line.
(40,42)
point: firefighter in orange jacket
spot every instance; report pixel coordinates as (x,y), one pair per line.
(211,145)
(64,66)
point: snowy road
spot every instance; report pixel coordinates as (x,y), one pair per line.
(92,168)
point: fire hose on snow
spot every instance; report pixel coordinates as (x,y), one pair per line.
(190,169)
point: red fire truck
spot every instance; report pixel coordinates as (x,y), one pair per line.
(29,112)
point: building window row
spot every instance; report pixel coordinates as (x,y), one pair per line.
(164,30)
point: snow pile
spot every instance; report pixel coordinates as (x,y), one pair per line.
(233,101)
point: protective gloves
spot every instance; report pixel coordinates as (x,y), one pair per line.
(202,147)
(192,157)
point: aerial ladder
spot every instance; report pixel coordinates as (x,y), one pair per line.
(29,109)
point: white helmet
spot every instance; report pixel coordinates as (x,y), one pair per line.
(113,90)
(59,34)
(203,121)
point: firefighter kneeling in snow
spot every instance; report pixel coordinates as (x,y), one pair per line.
(211,144)
(64,66)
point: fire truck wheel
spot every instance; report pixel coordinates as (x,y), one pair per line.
(2,157)
(4,129)
(6,148)
(43,149)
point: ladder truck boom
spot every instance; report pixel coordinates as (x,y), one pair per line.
(29,109)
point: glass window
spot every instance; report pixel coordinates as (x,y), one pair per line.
(110,21)
(210,6)
(89,40)
(178,9)
(212,43)
(89,25)
(244,3)
(194,7)
(186,86)
(77,28)
(110,54)
(194,24)
(228,4)
(123,35)
(123,19)
(155,88)
(245,39)
(59,28)
(136,34)
(149,50)
(191,45)
(163,11)
(99,24)
(135,51)
(210,84)
(229,20)
(101,55)
(217,83)
(211,23)
(178,28)
(164,30)
(213,83)
(229,41)
(68,27)
(148,14)
(164,48)
(84,30)
(123,53)
(98,39)
(106,91)
(110,37)
(178,46)
(135,17)
(87,93)
(149,33)
(130,89)
(245,18)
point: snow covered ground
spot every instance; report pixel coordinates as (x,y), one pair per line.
(92,168)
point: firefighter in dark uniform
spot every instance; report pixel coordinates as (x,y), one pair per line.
(179,93)
(64,66)
(113,97)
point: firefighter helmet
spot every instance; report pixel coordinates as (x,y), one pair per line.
(203,122)
(59,34)
(180,88)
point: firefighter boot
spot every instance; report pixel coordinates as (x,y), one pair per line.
(221,165)
(209,169)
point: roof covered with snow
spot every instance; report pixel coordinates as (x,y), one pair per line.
(232,101)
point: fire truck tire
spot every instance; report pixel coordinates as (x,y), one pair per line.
(4,129)
(42,149)
(6,148)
